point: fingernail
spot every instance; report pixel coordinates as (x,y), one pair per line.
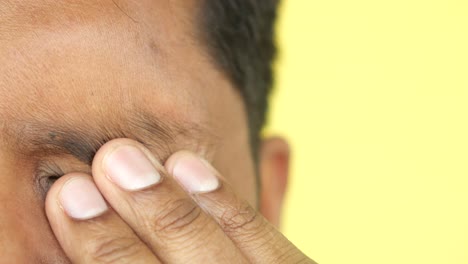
(81,199)
(128,167)
(195,174)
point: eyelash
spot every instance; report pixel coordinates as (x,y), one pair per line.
(50,171)
(47,174)
(54,177)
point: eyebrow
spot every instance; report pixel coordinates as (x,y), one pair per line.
(40,138)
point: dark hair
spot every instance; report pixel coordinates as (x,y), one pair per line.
(240,38)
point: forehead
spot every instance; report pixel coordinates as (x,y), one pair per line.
(96,65)
(85,51)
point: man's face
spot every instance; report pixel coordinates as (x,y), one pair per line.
(79,73)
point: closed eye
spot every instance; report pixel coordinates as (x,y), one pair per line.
(47,174)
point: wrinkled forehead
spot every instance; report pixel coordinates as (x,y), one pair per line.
(103,63)
(113,56)
(97,37)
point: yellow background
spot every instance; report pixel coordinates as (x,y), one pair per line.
(373,96)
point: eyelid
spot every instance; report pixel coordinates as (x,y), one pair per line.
(45,174)
(48,168)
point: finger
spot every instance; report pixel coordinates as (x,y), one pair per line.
(157,208)
(254,236)
(87,229)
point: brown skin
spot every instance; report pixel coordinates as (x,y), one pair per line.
(90,67)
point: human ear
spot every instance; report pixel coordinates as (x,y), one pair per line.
(274,171)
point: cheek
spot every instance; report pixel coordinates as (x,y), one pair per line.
(25,235)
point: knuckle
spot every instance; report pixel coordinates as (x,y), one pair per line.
(241,218)
(112,249)
(176,216)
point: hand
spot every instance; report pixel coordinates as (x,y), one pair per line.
(135,210)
